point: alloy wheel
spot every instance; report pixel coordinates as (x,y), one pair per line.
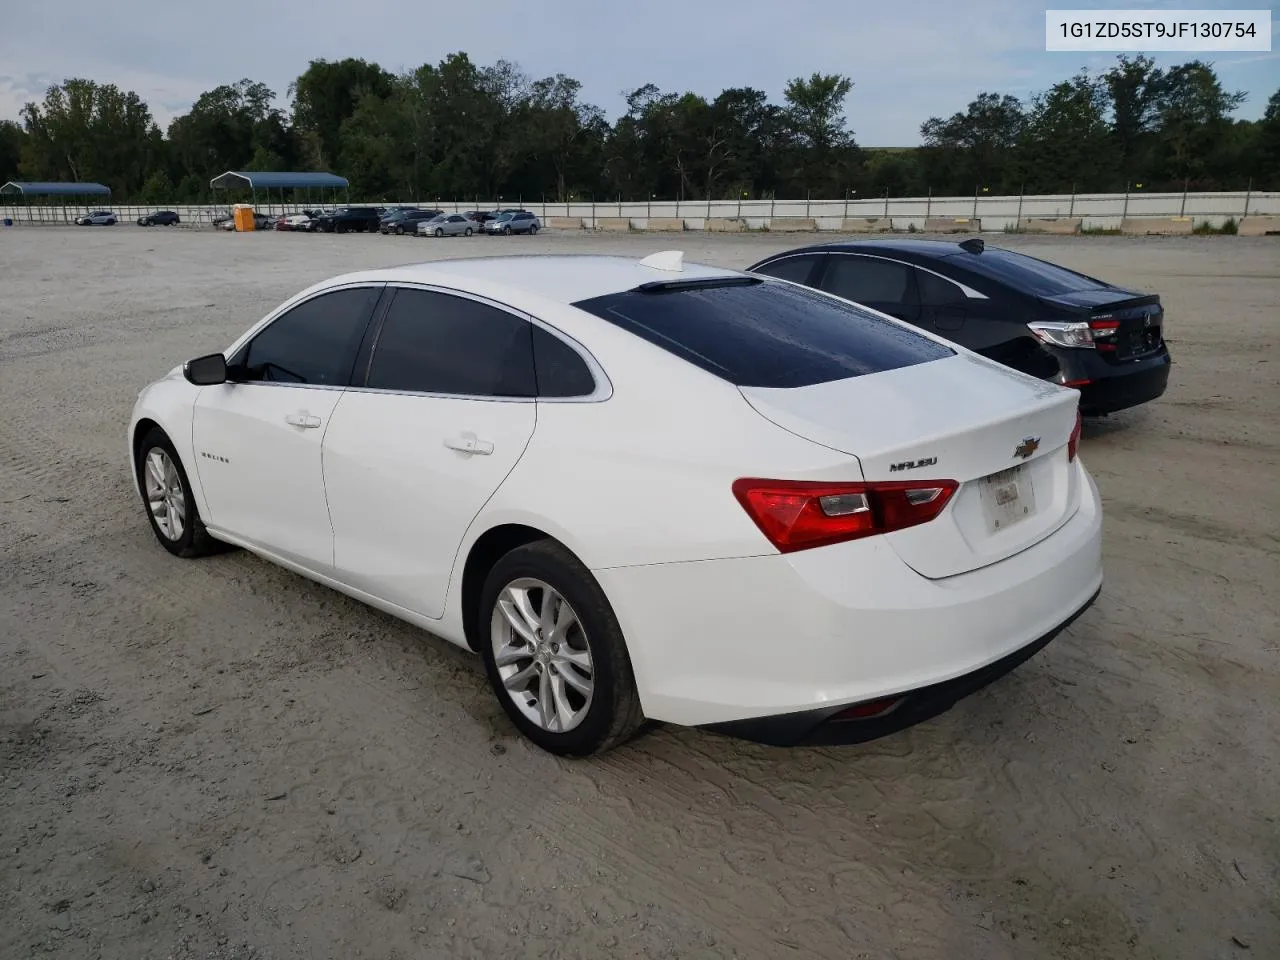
(542,655)
(165,495)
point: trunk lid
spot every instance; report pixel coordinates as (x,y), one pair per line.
(1137,320)
(1000,434)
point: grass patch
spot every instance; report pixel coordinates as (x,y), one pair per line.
(1100,231)
(1229,228)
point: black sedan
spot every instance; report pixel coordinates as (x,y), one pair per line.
(161,218)
(1104,340)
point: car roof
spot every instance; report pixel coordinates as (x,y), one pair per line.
(922,249)
(560,278)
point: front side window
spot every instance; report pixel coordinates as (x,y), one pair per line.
(315,342)
(438,343)
(795,269)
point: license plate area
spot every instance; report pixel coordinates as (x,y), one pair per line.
(1007,498)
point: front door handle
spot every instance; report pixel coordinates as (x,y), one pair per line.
(304,420)
(469,443)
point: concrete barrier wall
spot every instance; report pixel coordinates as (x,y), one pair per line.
(793,225)
(614,224)
(866,225)
(1157,226)
(726,225)
(1258,226)
(992,213)
(1041,225)
(672,224)
(564,223)
(955,225)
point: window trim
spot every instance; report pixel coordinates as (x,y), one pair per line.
(969,292)
(288,306)
(603,385)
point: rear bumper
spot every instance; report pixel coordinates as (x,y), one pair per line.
(1113,387)
(718,641)
(824,726)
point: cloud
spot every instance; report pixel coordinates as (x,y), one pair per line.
(909,60)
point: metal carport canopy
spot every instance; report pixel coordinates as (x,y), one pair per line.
(258,180)
(27,189)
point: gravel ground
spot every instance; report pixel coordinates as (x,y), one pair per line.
(219,759)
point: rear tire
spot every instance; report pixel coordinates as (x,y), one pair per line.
(611,713)
(163,480)
(467,232)
(533,231)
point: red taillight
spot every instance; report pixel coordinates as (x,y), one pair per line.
(1073,441)
(799,514)
(868,710)
(1102,332)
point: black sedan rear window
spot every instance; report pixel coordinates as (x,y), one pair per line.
(1027,274)
(761,333)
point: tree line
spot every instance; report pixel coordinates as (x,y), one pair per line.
(457,129)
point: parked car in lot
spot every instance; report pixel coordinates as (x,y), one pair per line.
(407,222)
(161,218)
(521,221)
(348,220)
(1104,340)
(843,526)
(98,218)
(296,222)
(447,225)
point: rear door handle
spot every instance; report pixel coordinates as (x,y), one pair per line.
(469,443)
(304,420)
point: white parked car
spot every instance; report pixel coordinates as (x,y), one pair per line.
(641,489)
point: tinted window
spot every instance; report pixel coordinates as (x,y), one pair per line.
(561,371)
(315,342)
(795,269)
(437,343)
(1025,273)
(766,334)
(937,292)
(867,280)
(524,216)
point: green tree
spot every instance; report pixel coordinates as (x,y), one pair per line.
(1192,113)
(85,131)
(1268,146)
(227,128)
(824,155)
(1134,86)
(1066,140)
(11,143)
(327,94)
(975,148)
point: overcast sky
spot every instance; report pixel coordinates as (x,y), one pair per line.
(909,59)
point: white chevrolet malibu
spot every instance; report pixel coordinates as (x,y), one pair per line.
(642,489)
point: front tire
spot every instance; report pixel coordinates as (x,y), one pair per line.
(167,497)
(554,653)
(506,231)
(439,232)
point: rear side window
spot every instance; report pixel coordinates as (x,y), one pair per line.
(936,291)
(560,370)
(437,343)
(315,342)
(795,269)
(868,280)
(766,334)
(1027,274)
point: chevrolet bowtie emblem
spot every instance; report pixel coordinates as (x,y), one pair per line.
(1027,447)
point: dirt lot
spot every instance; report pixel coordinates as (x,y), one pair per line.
(219,759)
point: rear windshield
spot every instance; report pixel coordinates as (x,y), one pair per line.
(766,334)
(1025,273)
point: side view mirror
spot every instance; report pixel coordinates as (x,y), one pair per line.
(206,371)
